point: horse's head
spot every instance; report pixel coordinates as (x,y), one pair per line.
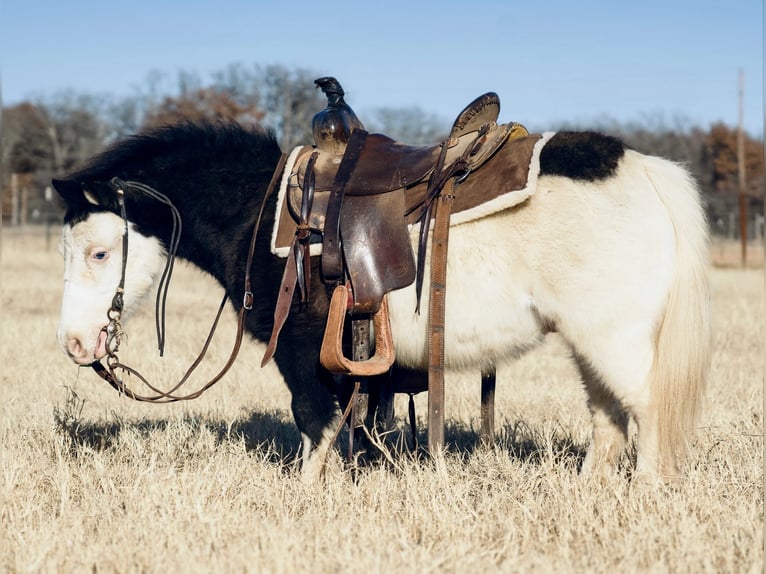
(195,168)
(92,245)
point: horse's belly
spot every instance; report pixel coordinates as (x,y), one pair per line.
(490,310)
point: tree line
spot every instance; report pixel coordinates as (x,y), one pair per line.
(53,134)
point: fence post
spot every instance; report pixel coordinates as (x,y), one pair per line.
(14,199)
(23,204)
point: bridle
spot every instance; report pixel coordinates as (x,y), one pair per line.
(114,328)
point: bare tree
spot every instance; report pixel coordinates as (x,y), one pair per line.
(410,125)
(76,126)
(722,143)
(290,101)
(26,152)
(275,96)
(26,144)
(203,104)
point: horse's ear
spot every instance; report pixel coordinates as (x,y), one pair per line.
(69,190)
(73,192)
(90,196)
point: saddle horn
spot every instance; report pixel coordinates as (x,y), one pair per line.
(332,126)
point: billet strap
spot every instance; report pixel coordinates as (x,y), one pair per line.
(303,231)
(456,171)
(297,266)
(284,302)
(331,354)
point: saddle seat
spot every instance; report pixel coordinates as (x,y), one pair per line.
(407,167)
(386,165)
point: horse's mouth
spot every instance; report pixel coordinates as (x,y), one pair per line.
(100,351)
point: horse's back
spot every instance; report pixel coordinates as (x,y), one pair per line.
(586,257)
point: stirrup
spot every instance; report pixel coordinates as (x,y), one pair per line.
(331,355)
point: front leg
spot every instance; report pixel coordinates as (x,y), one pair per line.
(314,404)
(317,421)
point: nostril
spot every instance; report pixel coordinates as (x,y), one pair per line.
(74,347)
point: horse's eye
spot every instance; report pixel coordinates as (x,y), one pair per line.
(100,255)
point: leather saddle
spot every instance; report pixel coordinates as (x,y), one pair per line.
(386,165)
(375,240)
(358,196)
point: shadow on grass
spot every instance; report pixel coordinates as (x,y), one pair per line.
(272,434)
(522,441)
(276,438)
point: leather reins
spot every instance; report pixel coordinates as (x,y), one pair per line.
(114,329)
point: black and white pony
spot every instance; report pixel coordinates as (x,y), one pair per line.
(610,253)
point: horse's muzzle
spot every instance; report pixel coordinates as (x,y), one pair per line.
(82,353)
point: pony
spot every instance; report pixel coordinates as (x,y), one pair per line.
(610,251)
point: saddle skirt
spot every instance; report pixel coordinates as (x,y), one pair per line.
(505,179)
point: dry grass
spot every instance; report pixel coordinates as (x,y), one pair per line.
(91,481)
(728,253)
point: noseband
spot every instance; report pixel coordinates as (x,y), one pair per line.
(114,328)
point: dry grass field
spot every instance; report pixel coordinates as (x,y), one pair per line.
(93,482)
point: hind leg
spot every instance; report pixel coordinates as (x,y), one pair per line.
(616,365)
(610,424)
(625,365)
(653,464)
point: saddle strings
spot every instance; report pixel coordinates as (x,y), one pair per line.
(175,239)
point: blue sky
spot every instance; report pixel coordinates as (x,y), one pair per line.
(550,62)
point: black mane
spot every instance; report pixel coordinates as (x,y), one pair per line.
(215,174)
(170,151)
(198,140)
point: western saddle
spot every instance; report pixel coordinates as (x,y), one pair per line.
(358,193)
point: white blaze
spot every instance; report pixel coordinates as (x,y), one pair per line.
(92,252)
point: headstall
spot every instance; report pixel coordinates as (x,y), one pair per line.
(114,328)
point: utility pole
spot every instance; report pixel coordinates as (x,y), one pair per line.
(741,171)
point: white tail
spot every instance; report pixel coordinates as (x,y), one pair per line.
(682,359)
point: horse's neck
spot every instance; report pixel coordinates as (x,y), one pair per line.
(218,243)
(218,201)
